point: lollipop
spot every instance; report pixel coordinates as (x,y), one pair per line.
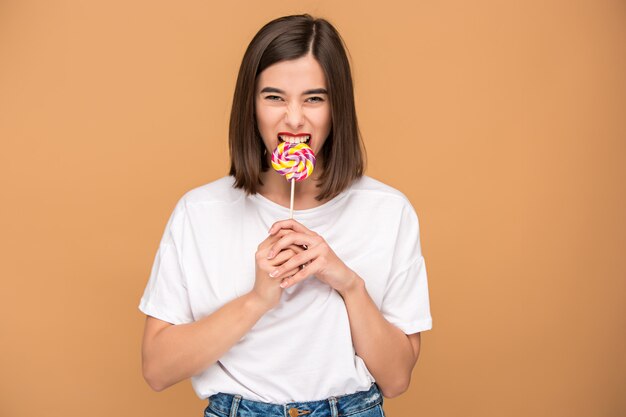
(295,161)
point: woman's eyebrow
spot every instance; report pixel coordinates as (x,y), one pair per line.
(279,91)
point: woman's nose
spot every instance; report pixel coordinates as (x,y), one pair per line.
(294,117)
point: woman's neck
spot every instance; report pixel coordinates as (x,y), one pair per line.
(277,189)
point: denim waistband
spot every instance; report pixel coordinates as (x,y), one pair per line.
(236,405)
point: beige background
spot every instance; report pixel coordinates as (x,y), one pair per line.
(503,122)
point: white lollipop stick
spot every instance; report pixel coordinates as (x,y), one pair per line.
(293,183)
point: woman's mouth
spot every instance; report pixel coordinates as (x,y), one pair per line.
(302,138)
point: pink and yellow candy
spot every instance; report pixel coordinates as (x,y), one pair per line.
(293,160)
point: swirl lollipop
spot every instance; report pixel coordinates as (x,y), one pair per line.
(295,161)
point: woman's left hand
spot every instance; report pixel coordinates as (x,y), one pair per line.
(318,258)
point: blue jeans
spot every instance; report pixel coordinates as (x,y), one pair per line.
(360,404)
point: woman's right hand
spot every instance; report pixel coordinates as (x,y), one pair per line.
(266,288)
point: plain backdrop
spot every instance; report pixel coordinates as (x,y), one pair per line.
(502,121)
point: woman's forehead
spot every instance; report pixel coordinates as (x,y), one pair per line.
(293,76)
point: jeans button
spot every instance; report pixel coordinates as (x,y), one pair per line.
(293,412)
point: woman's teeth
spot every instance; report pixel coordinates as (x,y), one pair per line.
(291,139)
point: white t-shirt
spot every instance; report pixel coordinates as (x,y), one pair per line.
(302,349)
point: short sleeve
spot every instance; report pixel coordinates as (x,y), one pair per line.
(165,296)
(406,302)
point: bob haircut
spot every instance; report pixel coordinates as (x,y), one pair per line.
(288,38)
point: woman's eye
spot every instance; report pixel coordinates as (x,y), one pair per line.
(272,98)
(316,99)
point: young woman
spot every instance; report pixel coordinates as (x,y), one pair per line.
(320,315)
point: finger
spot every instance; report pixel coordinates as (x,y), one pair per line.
(288,252)
(293,272)
(290,224)
(285,254)
(282,257)
(296,261)
(270,240)
(291,239)
(295,248)
(301,275)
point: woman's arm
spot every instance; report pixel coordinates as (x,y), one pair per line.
(390,355)
(173,353)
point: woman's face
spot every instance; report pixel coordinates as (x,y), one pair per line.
(291,103)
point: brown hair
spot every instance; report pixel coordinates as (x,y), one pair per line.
(282,39)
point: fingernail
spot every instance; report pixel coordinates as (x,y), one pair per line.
(274,273)
(270,255)
(283,284)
